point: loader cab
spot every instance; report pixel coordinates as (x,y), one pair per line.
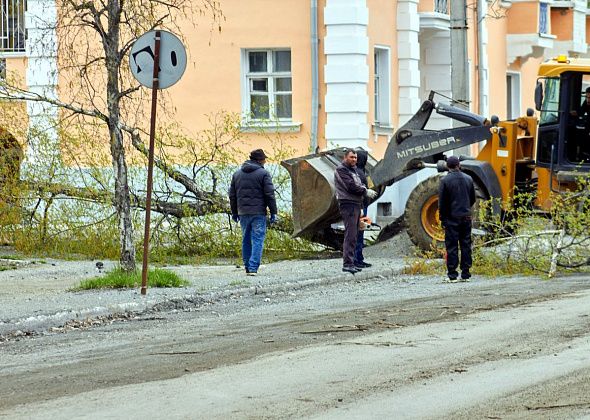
(563,142)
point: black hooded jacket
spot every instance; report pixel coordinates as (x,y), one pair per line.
(252,190)
(361,162)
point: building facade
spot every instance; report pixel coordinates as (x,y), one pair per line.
(331,72)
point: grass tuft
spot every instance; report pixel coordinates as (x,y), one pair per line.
(423,267)
(10,257)
(118,279)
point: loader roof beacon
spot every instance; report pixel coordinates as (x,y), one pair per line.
(542,156)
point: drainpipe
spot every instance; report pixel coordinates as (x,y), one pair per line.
(481,59)
(314,76)
(459,65)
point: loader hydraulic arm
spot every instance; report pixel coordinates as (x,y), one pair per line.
(411,146)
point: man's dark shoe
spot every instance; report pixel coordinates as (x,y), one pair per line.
(352,270)
(363,265)
(465,275)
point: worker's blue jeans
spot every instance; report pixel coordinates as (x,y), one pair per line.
(253,233)
(359,258)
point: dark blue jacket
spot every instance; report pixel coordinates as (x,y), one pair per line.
(252,190)
(456,195)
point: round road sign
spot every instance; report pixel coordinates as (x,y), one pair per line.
(172,59)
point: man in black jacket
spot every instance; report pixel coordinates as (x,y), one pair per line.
(250,194)
(349,193)
(456,196)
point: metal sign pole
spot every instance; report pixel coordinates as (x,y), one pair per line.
(148,200)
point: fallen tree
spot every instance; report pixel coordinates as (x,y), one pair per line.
(102,99)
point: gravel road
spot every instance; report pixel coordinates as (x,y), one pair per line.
(37,296)
(381,347)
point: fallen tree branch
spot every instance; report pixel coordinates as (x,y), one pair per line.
(178,210)
(174,174)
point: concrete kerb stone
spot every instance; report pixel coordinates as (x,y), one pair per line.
(358,277)
(39,323)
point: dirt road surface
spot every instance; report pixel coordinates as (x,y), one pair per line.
(407,347)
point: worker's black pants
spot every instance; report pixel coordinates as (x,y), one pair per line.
(351,214)
(458,234)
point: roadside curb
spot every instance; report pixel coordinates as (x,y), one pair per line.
(341,278)
(39,323)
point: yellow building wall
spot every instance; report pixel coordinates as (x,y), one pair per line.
(528,78)
(212,81)
(382,31)
(523,18)
(14,117)
(562,23)
(497,30)
(498,67)
(425,6)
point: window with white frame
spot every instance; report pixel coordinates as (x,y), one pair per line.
(268,84)
(512,95)
(382,81)
(12,26)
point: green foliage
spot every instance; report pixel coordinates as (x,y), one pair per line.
(492,264)
(525,241)
(62,206)
(7,266)
(70,230)
(423,266)
(522,240)
(118,279)
(10,257)
(214,238)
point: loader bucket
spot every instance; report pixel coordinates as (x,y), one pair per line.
(313,192)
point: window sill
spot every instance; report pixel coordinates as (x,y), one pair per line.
(12,54)
(547,36)
(383,129)
(270,127)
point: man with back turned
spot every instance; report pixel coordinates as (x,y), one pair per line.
(456,196)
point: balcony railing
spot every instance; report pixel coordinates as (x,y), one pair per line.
(12,26)
(440,6)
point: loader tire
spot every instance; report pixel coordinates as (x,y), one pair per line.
(421,215)
(422,218)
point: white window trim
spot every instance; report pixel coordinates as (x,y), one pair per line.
(382,130)
(515,102)
(249,124)
(13,54)
(384,87)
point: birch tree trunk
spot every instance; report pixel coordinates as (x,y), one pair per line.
(122,200)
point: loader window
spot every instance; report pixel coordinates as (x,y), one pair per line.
(550,106)
(577,138)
